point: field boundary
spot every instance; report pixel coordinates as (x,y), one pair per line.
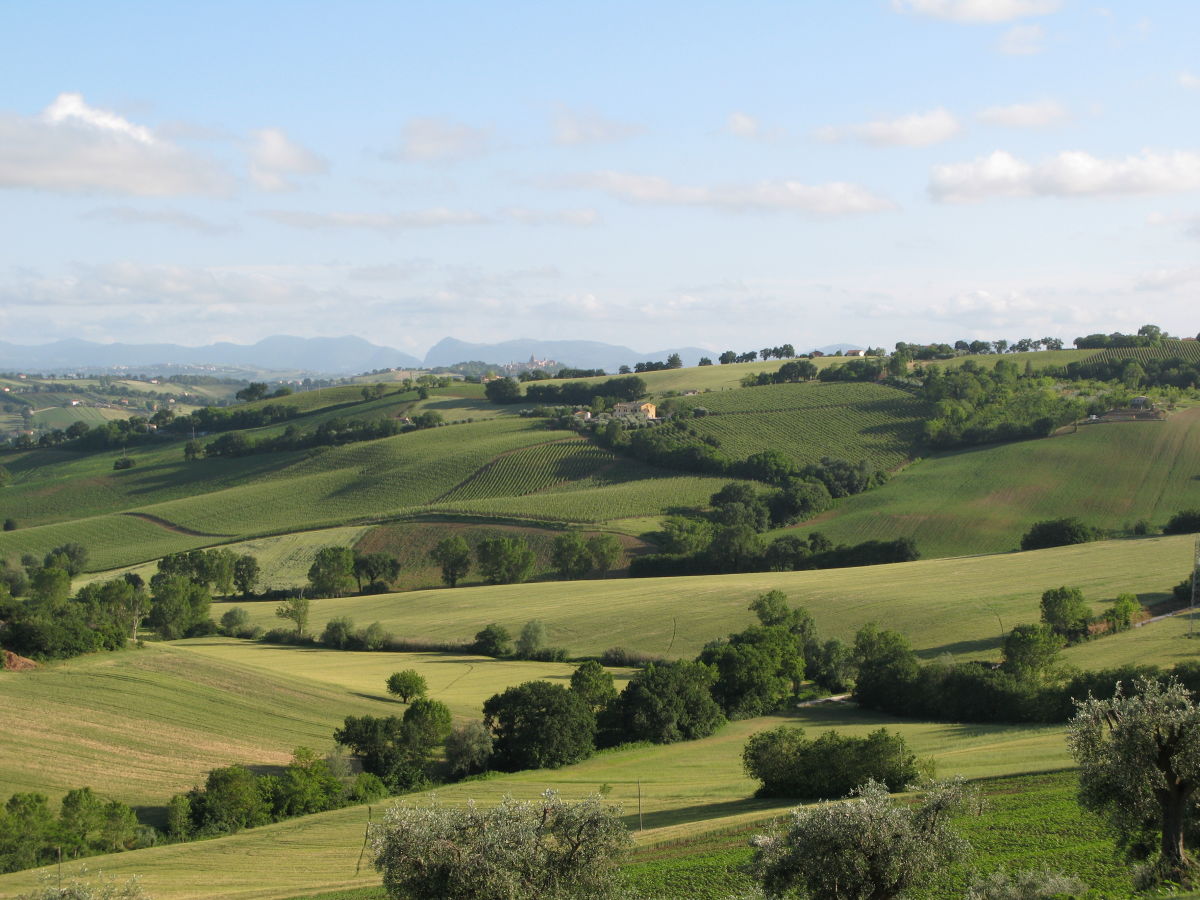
(171,526)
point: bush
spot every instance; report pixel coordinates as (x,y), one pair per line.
(1184,522)
(338,633)
(519,848)
(1042,885)
(1058,533)
(539,725)
(620,657)
(469,749)
(789,765)
(234,620)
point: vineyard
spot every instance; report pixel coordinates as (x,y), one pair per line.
(531,470)
(1186,350)
(575,503)
(853,421)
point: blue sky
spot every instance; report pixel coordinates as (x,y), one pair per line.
(653,174)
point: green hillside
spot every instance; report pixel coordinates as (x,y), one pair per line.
(943,605)
(983,499)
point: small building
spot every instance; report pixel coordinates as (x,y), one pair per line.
(1141,403)
(584,414)
(634,408)
(856,353)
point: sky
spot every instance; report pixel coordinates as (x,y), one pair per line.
(653,174)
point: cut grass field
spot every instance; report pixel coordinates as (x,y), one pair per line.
(983,499)
(687,789)
(141,725)
(957,606)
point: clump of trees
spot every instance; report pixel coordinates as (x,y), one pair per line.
(234,798)
(86,825)
(398,750)
(575,556)
(1185,521)
(336,571)
(790,765)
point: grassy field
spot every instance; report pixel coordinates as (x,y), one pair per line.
(983,499)
(687,789)
(957,606)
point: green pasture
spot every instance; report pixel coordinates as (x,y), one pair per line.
(983,499)
(1039,359)
(141,725)
(959,606)
(687,789)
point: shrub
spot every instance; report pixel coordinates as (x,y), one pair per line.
(338,633)
(518,848)
(1058,533)
(469,748)
(234,620)
(1184,522)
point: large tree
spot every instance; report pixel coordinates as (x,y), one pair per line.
(1139,761)
(332,572)
(539,725)
(453,554)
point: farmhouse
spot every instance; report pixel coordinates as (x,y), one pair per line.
(634,408)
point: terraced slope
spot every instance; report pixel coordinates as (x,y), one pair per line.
(982,500)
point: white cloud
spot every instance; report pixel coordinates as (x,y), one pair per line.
(440,140)
(578,217)
(1166,279)
(176,218)
(573,127)
(73,147)
(423,218)
(1037,114)
(834,198)
(1022,40)
(915,130)
(274,156)
(977,11)
(742,124)
(1071,173)
(1189,81)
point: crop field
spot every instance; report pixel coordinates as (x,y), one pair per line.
(982,500)
(1188,350)
(585,503)
(142,725)
(806,422)
(65,416)
(956,606)
(534,469)
(1039,359)
(687,789)
(1028,822)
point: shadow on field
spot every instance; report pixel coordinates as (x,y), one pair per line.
(700,811)
(976,646)
(380,697)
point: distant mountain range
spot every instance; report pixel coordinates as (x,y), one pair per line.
(322,356)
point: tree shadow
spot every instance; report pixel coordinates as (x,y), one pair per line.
(976,646)
(701,811)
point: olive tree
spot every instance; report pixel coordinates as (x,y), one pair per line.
(549,848)
(1139,761)
(867,847)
